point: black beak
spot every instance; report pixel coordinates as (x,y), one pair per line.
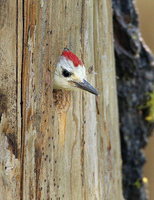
(86,86)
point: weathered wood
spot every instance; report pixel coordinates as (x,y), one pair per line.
(10,98)
(64,155)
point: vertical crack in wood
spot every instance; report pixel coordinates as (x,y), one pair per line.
(21,93)
(75,118)
(82,30)
(82,139)
(17,152)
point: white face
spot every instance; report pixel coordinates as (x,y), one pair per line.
(69,77)
(66,74)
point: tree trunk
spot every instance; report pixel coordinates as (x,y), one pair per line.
(69,151)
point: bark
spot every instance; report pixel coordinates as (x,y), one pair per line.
(66,147)
(135,71)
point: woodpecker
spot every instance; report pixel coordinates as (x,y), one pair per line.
(70,73)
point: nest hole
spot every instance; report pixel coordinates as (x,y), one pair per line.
(62,100)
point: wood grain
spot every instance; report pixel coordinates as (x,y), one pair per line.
(10,98)
(83,161)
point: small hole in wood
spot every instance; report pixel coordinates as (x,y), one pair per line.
(61,100)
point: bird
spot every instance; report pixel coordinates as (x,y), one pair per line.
(70,73)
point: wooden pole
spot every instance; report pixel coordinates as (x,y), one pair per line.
(47,154)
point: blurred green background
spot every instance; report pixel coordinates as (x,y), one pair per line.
(146,17)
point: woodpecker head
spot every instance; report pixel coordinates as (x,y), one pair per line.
(70,73)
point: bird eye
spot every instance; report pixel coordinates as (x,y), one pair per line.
(66,73)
